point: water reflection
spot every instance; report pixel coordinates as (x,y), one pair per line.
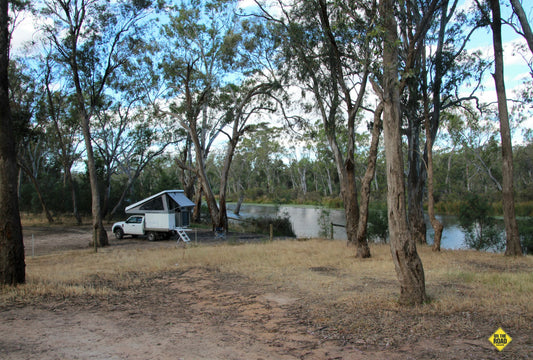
(308,221)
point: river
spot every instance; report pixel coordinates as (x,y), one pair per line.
(307,221)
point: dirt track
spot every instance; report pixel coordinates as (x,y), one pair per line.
(196,313)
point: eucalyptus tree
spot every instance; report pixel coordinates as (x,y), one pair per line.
(192,67)
(327,50)
(393,80)
(403,248)
(12,265)
(144,141)
(525,26)
(511,227)
(444,66)
(127,138)
(256,170)
(214,65)
(63,130)
(33,150)
(91,39)
(241,104)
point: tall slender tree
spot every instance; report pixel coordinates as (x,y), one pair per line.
(63,130)
(12,265)
(511,227)
(92,39)
(403,247)
(208,49)
(328,61)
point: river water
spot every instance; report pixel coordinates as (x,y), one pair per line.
(308,221)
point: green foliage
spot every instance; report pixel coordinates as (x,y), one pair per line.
(448,207)
(281,225)
(378,225)
(332,202)
(481,230)
(524,208)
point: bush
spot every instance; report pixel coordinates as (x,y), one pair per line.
(282,225)
(448,207)
(333,202)
(481,230)
(524,208)
(378,225)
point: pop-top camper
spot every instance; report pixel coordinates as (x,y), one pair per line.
(161,215)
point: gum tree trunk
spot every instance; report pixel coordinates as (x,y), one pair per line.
(369,175)
(12,265)
(403,248)
(511,228)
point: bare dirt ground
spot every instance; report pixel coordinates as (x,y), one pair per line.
(197,313)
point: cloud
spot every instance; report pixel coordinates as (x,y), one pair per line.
(25,31)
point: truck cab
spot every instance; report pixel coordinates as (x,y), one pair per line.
(134,225)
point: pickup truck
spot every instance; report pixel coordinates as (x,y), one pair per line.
(153,226)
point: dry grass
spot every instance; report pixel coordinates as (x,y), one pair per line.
(455,280)
(467,289)
(39,219)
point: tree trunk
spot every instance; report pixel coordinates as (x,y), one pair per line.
(209,196)
(403,248)
(71,183)
(369,175)
(240,201)
(432,123)
(351,208)
(197,212)
(346,168)
(12,265)
(346,171)
(416,176)
(511,227)
(415,183)
(526,29)
(436,224)
(223,211)
(107,194)
(99,233)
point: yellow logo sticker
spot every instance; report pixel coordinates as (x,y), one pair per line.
(500,339)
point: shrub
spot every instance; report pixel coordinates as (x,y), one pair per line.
(281,225)
(333,202)
(481,230)
(378,225)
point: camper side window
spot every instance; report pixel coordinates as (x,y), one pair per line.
(154,204)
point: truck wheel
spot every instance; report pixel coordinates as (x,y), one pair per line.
(119,233)
(151,236)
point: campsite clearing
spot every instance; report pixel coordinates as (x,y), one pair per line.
(260,300)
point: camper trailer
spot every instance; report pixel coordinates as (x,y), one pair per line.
(159,216)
